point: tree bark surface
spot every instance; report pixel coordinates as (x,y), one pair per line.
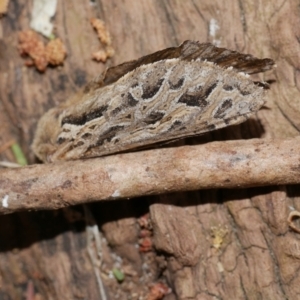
(208,244)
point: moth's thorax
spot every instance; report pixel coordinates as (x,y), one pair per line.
(156,102)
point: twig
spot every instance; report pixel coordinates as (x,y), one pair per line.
(8,164)
(229,164)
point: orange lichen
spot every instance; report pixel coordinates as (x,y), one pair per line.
(31,45)
(105,39)
(102,31)
(40,56)
(56,52)
(100,55)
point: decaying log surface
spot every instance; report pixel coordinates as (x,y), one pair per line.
(233,244)
(240,164)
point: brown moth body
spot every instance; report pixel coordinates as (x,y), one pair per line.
(167,95)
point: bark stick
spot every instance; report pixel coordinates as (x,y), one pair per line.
(231,164)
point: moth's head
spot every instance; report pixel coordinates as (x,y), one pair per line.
(45,136)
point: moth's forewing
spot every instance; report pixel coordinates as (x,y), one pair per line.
(164,96)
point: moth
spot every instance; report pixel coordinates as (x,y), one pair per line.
(168,95)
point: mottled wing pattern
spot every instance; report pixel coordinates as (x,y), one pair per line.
(167,95)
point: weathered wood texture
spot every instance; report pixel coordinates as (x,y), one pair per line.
(232,244)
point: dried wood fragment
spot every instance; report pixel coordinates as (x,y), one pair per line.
(228,164)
